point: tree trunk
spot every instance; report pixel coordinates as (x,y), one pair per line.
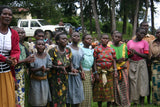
(96,19)
(125,18)
(90,19)
(135,18)
(146,12)
(113,15)
(152,16)
(82,21)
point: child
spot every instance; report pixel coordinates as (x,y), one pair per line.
(39,93)
(87,63)
(104,67)
(75,87)
(138,73)
(61,62)
(121,85)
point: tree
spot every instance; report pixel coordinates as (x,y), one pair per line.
(82,22)
(113,20)
(96,18)
(135,18)
(152,16)
(146,12)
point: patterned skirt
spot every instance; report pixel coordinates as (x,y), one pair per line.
(121,89)
(103,92)
(21,85)
(156,83)
(7,90)
(87,89)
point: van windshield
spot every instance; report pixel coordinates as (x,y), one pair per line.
(43,22)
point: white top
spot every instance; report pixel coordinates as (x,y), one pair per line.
(5,48)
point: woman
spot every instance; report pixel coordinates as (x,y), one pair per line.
(104,68)
(61,62)
(75,87)
(9,55)
(121,84)
(21,69)
(154,55)
(87,64)
(138,73)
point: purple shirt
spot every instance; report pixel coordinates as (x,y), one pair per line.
(139,47)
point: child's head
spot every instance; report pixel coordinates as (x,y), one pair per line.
(140,33)
(61,39)
(40,45)
(75,37)
(117,37)
(104,39)
(39,34)
(20,32)
(113,33)
(87,39)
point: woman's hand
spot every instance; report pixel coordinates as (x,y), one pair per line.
(11,61)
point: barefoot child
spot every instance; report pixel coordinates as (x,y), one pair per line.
(39,93)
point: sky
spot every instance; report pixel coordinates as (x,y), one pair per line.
(156,16)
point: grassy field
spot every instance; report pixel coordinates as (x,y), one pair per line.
(94,104)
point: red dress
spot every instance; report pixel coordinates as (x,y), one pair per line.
(104,61)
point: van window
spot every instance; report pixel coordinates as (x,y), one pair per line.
(24,24)
(34,24)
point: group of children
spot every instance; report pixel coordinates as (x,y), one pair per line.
(67,75)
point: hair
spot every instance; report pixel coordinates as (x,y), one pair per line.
(58,34)
(143,23)
(103,35)
(113,32)
(3,7)
(84,36)
(38,31)
(38,41)
(138,29)
(74,33)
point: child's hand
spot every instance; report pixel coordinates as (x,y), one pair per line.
(75,71)
(43,69)
(83,75)
(96,76)
(30,59)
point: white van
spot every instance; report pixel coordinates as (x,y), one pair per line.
(30,25)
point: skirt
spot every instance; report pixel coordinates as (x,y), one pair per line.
(156,83)
(121,89)
(138,80)
(103,92)
(7,90)
(87,89)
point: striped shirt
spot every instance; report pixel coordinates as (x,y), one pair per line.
(5,48)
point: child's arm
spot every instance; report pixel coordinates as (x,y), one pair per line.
(37,69)
(29,59)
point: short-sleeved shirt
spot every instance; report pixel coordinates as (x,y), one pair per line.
(104,56)
(139,47)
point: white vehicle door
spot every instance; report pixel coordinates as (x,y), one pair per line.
(33,26)
(25,26)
